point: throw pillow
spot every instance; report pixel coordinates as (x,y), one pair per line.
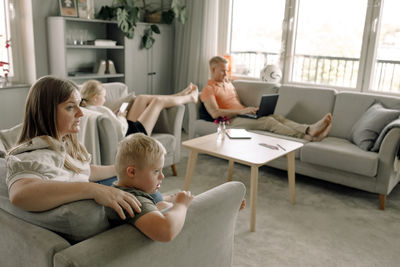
(203,113)
(75,221)
(10,136)
(378,142)
(366,130)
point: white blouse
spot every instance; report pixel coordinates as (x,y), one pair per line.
(38,159)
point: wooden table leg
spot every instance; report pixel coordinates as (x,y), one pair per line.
(230,170)
(190,168)
(291,176)
(253,197)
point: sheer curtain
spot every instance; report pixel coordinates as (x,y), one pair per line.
(204,35)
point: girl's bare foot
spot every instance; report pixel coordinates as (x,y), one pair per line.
(195,94)
(317,128)
(187,90)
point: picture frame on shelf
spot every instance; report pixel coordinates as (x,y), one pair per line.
(85,9)
(68,8)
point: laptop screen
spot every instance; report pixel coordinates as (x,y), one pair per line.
(267,105)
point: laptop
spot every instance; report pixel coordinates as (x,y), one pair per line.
(267,107)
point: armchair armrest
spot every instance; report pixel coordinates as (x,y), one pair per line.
(32,245)
(193,115)
(170,121)
(206,238)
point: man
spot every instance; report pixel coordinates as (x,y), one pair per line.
(221,99)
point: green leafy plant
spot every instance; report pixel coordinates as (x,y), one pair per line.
(127,13)
(148,39)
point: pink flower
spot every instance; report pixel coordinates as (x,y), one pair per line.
(222,119)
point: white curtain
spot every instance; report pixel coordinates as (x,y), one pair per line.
(204,35)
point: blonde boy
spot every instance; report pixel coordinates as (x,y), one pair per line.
(139,162)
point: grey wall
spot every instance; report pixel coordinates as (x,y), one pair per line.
(12,102)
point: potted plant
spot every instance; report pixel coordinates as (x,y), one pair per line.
(128,12)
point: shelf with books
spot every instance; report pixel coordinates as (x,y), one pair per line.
(72,48)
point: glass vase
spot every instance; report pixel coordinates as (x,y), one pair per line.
(221,131)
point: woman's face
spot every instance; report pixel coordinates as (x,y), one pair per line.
(69,114)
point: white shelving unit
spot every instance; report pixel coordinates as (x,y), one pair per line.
(78,61)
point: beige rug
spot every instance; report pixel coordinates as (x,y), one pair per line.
(330,225)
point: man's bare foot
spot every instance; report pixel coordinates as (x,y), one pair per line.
(317,128)
(242,205)
(323,134)
(308,137)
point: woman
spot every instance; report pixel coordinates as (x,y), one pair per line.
(143,114)
(49,167)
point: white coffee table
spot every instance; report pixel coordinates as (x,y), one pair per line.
(245,151)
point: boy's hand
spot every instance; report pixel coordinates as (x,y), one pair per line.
(184,197)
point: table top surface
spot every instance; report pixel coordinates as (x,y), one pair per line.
(246,151)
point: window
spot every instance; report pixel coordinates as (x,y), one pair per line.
(337,43)
(328,42)
(386,75)
(5,49)
(256,35)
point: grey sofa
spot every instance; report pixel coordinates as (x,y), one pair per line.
(81,235)
(336,159)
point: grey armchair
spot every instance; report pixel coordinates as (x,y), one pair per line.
(167,130)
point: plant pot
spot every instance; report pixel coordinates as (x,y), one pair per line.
(154,17)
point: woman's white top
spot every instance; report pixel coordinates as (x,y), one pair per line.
(120,123)
(37,159)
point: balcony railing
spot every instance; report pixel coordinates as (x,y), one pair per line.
(326,70)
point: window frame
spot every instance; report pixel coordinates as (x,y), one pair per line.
(367,56)
(7,33)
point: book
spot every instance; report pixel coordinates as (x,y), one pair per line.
(102,42)
(238,134)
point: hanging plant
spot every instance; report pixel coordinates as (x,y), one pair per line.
(148,39)
(127,14)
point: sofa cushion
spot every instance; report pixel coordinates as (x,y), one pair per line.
(350,106)
(250,92)
(366,130)
(9,137)
(76,221)
(338,153)
(304,105)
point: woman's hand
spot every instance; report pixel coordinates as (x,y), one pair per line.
(116,199)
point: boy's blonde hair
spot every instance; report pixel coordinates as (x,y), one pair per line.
(89,90)
(216,60)
(138,150)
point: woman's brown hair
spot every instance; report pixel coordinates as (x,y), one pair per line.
(40,118)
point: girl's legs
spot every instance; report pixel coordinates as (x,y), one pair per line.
(147,108)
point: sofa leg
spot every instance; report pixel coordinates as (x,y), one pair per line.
(382,201)
(174,171)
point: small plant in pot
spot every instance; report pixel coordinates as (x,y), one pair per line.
(128,12)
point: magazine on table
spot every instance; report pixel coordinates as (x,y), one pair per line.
(238,134)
